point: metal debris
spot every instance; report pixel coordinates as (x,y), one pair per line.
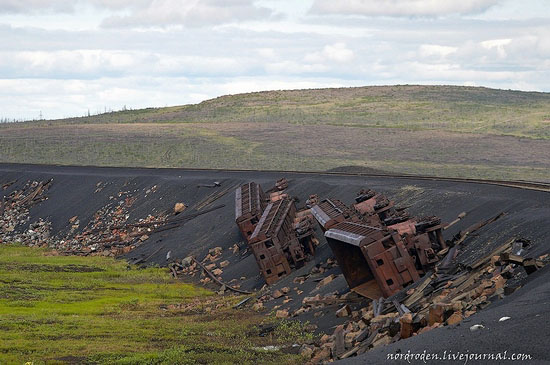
(379,248)
(279,236)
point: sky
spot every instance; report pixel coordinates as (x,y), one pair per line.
(61,58)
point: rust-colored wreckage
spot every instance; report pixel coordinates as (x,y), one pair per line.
(107,233)
(415,279)
(279,236)
(379,248)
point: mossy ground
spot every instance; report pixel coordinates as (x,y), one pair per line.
(60,309)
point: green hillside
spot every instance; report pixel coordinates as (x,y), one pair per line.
(436,130)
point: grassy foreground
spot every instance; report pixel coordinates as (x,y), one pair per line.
(57,309)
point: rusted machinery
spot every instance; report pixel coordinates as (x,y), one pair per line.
(422,237)
(330,212)
(370,203)
(276,242)
(279,237)
(379,247)
(250,203)
(374,261)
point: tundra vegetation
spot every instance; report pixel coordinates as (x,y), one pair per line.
(67,309)
(434,130)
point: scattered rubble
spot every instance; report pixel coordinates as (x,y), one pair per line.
(179,207)
(400,263)
(108,233)
(438,299)
(14,213)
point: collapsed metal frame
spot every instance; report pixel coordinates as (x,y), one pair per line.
(374,261)
(250,203)
(279,240)
(379,248)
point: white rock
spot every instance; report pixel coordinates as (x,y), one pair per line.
(476,327)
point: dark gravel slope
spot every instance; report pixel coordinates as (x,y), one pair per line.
(527,216)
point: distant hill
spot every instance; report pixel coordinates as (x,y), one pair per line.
(441,130)
(459,108)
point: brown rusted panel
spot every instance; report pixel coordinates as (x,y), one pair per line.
(365,253)
(421,245)
(406,227)
(366,206)
(249,199)
(371,220)
(352,262)
(280,240)
(250,202)
(271,261)
(281,184)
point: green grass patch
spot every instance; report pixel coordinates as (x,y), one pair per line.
(58,309)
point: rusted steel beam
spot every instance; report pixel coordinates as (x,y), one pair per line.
(8,184)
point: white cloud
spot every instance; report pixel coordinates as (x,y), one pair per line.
(434,50)
(97,63)
(400,8)
(266,52)
(499,45)
(31,6)
(337,52)
(193,13)
(148,13)
(169,53)
(294,68)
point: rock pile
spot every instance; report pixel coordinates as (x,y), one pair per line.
(14,214)
(439,299)
(107,234)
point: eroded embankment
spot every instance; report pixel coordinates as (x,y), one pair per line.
(100,197)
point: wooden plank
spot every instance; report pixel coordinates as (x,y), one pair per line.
(510,257)
(418,293)
(495,252)
(221,283)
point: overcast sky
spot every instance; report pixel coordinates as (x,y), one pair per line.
(65,57)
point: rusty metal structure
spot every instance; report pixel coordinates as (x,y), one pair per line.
(279,237)
(250,203)
(370,203)
(330,212)
(374,261)
(277,244)
(378,246)
(424,241)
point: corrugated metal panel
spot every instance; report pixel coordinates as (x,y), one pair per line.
(320,215)
(238,203)
(347,237)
